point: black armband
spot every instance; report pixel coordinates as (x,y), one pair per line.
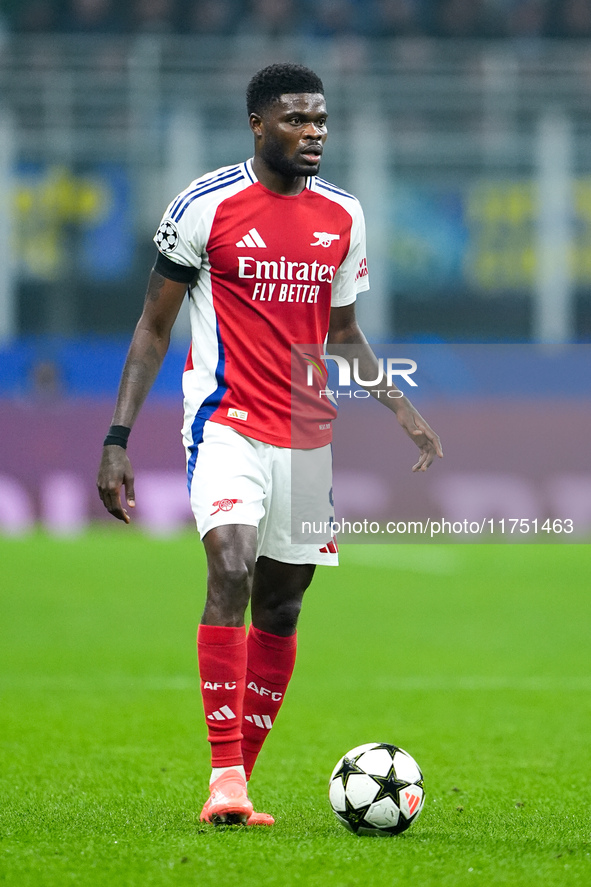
(173,270)
(118,436)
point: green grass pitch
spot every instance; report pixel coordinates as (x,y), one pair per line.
(476,659)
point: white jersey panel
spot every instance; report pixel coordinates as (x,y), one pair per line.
(207,358)
(185,227)
(351,277)
(200,381)
(190,216)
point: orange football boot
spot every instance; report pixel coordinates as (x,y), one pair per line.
(228,801)
(260,819)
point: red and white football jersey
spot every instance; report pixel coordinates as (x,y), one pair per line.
(268,269)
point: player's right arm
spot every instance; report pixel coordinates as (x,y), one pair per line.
(148,347)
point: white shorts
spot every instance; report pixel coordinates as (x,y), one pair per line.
(239,480)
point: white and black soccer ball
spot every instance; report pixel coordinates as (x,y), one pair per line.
(167,236)
(376,789)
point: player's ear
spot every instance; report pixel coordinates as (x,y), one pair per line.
(256,124)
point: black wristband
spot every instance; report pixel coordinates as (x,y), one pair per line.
(118,436)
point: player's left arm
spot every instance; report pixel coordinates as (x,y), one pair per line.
(346,339)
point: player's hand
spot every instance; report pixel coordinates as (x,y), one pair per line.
(421,433)
(115,471)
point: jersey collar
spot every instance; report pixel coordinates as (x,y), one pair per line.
(250,174)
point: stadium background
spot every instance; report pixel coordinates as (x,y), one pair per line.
(462,125)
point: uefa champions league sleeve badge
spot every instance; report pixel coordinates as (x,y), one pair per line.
(167,237)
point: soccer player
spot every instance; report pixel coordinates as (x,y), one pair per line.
(271,255)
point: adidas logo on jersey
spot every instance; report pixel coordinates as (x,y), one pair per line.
(224,714)
(263,721)
(252,239)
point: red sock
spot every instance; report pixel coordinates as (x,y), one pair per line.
(270,665)
(222,667)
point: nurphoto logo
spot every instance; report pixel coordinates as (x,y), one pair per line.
(387,370)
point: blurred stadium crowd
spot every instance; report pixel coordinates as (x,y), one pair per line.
(473,19)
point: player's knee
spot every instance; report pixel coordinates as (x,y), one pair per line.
(228,593)
(236,578)
(232,572)
(282,618)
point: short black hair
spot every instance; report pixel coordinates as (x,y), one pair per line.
(270,83)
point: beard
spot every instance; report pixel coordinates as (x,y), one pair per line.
(274,156)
